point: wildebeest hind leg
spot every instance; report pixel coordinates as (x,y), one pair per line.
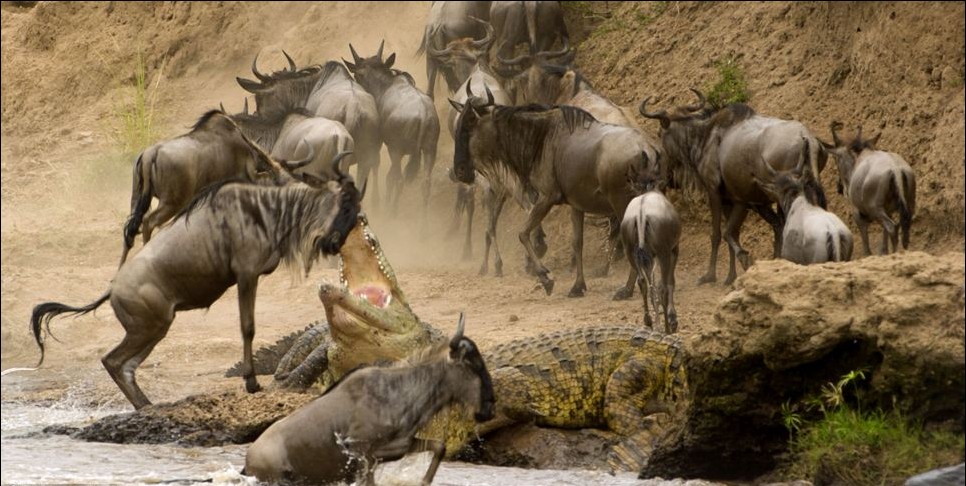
(577,223)
(732,236)
(537,213)
(144,330)
(157,217)
(438,448)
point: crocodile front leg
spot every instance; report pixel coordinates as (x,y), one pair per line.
(306,360)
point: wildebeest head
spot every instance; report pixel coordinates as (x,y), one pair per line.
(464,352)
(459,56)
(471,113)
(525,73)
(281,90)
(373,73)
(846,151)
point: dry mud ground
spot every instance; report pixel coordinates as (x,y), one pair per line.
(65,188)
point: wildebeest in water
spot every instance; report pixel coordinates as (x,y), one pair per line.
(372,414)
(232,233)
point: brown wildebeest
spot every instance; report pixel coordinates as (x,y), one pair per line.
(408,120)
(562,154)
(811,234)
(878,184)
(721,151)
(230,234)
(651,229)
(176,170)
(328,92)
(449,21)
(372,414)
(536,24)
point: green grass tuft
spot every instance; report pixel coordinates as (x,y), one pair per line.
(730,87)
(134,122)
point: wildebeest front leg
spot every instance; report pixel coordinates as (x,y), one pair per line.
(438,448)
(394,180)
(863,223)
(714,203)
(668,265)
(494,205)
(774,219)
(732,235)
(537,213)
(577,223)
(247,288)
(890,233)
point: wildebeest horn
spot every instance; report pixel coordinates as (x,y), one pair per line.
(455,342)
(469,92)
(298,164)
(489,94)
(291,63)
(355,56)
(261,77)
(245,109)
(701,101)
(835,136)
(552,54)
(335,164)
(222,107)
(661,115)
(516,61)
(435,53)
(488,38)
(379,52)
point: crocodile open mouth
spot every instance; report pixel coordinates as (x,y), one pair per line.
(364,272)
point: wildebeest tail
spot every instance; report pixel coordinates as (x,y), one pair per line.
(140,201)
(831,253)
(906,202)
(641,254)
(43,313)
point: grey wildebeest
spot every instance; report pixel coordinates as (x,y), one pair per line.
(878,184)
(175,170)
(562,154)
(231,233)
(408,120)
(373,414)
(328,92)
(721,151)
(536,24)
(296,133)
(811,234)
(651,229)
(449,21)
(460,56)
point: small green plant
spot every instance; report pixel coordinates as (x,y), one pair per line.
(730,87)
(646,17)
(849,446)
(134,119)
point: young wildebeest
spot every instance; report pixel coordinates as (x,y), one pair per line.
(295,133)
(231,233)
(878,184)
(651,229)
(328,92)
(175,170)
(408,120)
(372,414)
(811,234)
(720,150)
(562,153)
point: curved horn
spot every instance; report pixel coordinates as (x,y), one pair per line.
(335,164)
(488,38)
(835,136)
(379,52)
(702,101)
(435,53)
(469,92)
(261,77)
(551,54)
(298,164)
(222,107)
(516,61)
(489,94)
(291,63)
(245,110)
(455,342)
(858,134)
(355,56)
(660,115)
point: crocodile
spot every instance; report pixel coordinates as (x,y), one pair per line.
(627,379)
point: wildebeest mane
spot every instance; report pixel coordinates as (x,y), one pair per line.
(266,126)
(204,119)
(205,194)
(732,115)
(559,72)
(408,77)
(331,68)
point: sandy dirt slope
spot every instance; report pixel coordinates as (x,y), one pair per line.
(66,189)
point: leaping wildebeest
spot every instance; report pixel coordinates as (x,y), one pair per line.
(328,92)
(878,184)
(562,154)
(373,414)
(231,233)
(722,151)
(408,120)
(174,171)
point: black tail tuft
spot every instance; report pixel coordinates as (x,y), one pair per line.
(43,313)
(141,201)
(412,169)
(905,215)
(830,247)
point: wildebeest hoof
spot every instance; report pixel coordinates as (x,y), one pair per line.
(730,280)
(577,291)
(623,293)
(252,386)
(547,285)
(671,326)
(746,260)
(706,279)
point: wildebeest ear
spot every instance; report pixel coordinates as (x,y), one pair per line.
(352,67)
(249,85)
(456,104)
(390,60)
